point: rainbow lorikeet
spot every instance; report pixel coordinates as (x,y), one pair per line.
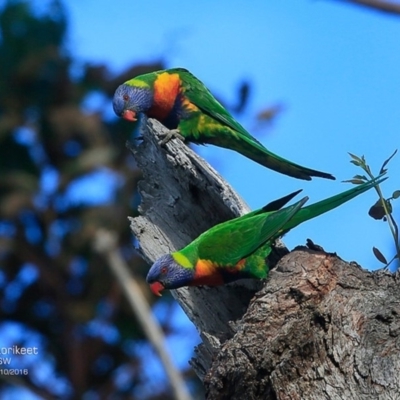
(237,249)
(184,105)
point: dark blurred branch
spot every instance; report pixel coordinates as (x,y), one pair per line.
(50,277)
(106,244)
(389,7)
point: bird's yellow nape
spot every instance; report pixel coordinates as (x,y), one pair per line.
(137,83)
(182,260)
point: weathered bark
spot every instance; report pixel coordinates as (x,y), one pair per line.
(318,328)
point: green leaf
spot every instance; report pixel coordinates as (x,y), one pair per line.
(363,177)
(379,255)
(386,161)
(355,158)
(354,181)
(396,194)
(377,211)
(355,162)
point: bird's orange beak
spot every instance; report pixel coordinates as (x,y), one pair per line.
(156,288)
(129,115)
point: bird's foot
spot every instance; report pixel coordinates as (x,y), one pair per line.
(173,133)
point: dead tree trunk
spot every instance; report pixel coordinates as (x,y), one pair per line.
(317,328)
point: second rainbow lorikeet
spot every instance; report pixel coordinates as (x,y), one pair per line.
(184,105)
(237,248)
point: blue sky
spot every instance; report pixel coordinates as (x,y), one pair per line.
(334,67)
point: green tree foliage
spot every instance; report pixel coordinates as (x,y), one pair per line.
(54,288)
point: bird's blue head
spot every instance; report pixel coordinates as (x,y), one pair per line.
(132,98)
(166,273)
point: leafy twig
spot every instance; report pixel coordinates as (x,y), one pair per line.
(382,209)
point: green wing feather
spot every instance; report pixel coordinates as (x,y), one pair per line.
(191,250)
(273,205)
(323,206)
(279,203)
(201,97)
(234,136)
(227,243)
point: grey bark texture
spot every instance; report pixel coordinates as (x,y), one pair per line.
(317,328)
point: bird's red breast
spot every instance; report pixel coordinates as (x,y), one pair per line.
(206,273)
(210,274)
(166,88)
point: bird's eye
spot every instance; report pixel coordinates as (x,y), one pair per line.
(125,97)
(164,270)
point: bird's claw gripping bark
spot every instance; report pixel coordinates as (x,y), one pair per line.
(173,133)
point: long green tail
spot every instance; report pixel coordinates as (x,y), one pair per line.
(253,149)
(323,206)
